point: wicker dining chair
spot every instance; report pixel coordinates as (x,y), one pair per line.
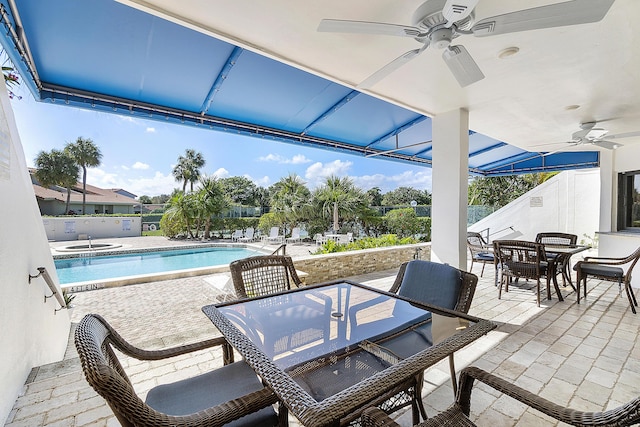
(231,395)
(610,269)
(431,283)
(480,250)
(263,275)
(518,259)
(457,415)
(557,238)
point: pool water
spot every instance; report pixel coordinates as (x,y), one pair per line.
(99,267)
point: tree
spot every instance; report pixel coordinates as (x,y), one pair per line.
(402,196)
(499,191)
(86,154)
(290,196)
(188,168)
(145,200)
(375,196)
(240,190)
(57,168)
(211,200)
(181,210)
(339,197)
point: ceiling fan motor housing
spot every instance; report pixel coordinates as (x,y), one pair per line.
(429,16)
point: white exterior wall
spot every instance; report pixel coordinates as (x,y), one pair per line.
(612,243)
(74,228)
(30,333)
(567,203)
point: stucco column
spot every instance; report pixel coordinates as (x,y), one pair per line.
(608,192)
(450,183)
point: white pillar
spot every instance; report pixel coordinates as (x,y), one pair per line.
(450,183)
(608,192)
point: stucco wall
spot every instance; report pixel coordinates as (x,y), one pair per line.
(567,203)
(74,228)
(31,334)
(322,268)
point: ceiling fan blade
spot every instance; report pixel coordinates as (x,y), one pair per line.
(462,65)
(554,15)
(609,145)
(390,67)
(363,27)
(624,135)
(559,150)
(456,10)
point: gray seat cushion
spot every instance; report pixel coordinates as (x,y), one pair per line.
(483,256)
(213,388)
(600,270)
(432,283)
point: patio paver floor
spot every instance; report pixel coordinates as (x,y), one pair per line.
(584,356)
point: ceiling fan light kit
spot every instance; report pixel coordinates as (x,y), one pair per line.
(437,22)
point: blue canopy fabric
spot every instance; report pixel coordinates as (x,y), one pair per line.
(103,55)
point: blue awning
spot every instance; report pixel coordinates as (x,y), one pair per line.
(103,55)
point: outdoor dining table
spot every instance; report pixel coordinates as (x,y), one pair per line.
(559,257)
(327,369)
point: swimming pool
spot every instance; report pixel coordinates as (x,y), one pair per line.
(101,267)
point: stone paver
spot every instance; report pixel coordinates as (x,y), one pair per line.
(585,356)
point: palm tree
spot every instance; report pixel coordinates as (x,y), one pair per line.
(211,200)
(181,209)
(57,168)
(339,196)
(86,154)
(290,197)
(188,168)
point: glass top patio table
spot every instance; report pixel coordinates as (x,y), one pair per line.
(560,257)
(329,350)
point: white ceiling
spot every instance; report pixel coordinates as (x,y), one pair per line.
(524,100)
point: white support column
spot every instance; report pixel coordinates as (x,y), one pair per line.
(608,192)
(450,183)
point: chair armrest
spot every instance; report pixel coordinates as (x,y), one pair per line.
(623,415)
(605,260)
(118,342)
(374,417)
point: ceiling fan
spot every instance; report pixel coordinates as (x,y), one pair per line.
(437,22)
(589,134)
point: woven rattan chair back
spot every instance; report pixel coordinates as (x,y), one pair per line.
(96,340)
(263,275)
(479,250)
(518,259)
(553,238)
(468,282)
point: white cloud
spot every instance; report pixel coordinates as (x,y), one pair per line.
(298,159)
(151,130)
(221,173)
(418,180)
(140,166)
(126,118)
(265,181)
(317,172)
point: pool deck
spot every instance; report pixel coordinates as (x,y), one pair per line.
(583,356)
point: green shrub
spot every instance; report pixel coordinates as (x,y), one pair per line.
(365,243)
(172,227)
(403,222)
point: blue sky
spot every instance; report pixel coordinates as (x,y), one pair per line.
(138,155)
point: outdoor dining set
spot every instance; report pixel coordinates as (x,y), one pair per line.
(343,353)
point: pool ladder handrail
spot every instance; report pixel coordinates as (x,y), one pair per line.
(42,271)
(282,247)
